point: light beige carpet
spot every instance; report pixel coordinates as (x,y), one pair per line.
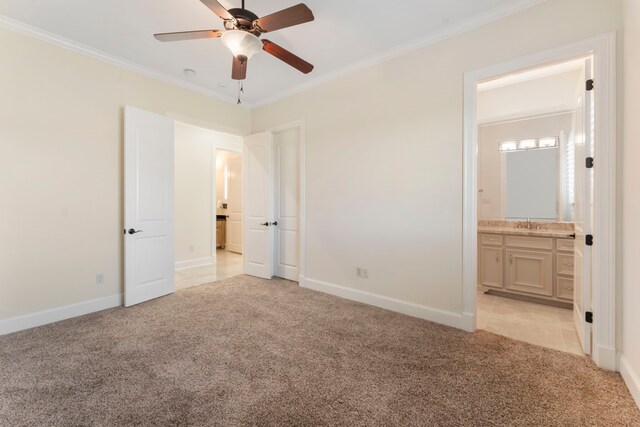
(246,351)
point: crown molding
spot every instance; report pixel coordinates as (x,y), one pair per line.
(46,36)
(433,38)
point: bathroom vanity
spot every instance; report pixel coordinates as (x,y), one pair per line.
(527,258)
(221,231)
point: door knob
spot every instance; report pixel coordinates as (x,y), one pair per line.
(132,231)
(266,224)
(274,223)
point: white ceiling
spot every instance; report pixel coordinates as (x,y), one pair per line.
(345,35)
(542,91)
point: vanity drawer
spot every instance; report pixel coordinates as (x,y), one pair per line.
(564,288)
(565,245)
(530,242)
(564,264)
(491,239)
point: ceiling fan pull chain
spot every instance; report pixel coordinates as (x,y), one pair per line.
(242,86)
(239,102)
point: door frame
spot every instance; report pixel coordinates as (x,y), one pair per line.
(301,126)
(603,49)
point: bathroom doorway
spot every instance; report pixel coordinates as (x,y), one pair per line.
(531,268)
(530,134)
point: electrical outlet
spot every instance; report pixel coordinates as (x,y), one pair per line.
(365,273)
(99,278)
(358,272)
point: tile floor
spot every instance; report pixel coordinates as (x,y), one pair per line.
(538,324)
(228,264)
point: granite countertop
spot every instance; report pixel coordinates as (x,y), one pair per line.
(525,231)
(536,228)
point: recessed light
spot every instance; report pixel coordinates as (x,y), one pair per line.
(189,72)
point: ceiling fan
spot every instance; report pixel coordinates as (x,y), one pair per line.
(243,29)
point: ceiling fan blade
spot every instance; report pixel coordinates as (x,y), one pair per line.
(218,9)
(294,15)
(239,69)
(286,56)
(188,35)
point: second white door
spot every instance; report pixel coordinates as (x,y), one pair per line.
(272,204)
(286,162)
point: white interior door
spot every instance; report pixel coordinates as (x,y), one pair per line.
(258,201)
(287,203)
(149,206)
(234,204)
(584,147)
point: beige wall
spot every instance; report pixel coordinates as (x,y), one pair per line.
(631,199)
(61,186)
(384,154)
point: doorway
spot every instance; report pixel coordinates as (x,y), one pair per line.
(530,139)
(208,205)
(534,261)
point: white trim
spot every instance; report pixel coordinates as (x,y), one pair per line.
(213,179)
(302,249)
(55,39)
(44,317)
(603,50)
(536,73)
(631,378)
(496,14)
(604,248)
(448,318)
(197,262)
(607,356)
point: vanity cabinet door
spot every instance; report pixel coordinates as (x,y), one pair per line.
(529,271)
(490,266)
(565,288)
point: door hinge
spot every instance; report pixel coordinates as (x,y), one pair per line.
(588,240)
(589,162)
(589,84)
(588,316)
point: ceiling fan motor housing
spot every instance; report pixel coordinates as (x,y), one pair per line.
(244,21)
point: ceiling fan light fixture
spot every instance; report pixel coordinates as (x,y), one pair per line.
(241,43)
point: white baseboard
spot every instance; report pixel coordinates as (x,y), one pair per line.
(198,262)
(448,318)
(606,358)
(631,378)
(27,321)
